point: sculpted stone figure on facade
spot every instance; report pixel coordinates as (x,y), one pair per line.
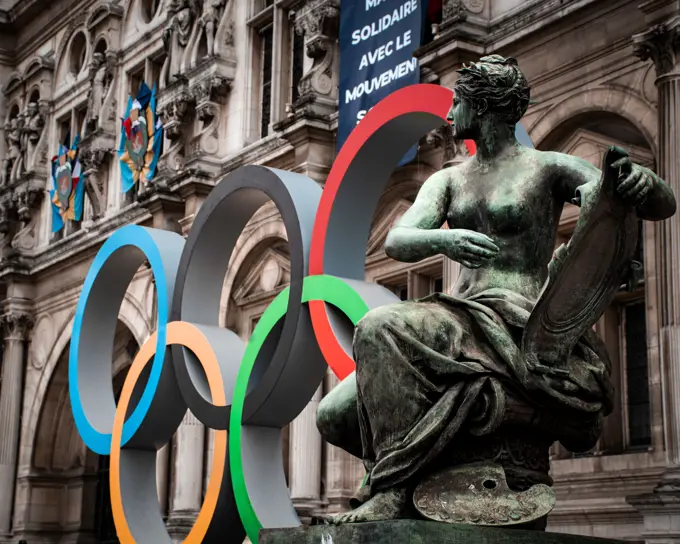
(92,159)
(174,115)
(12,164)
(470,388)
(210,20)
(101,99)
(33,137)
(176,34)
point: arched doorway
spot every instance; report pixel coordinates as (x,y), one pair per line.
(104,527)
(624,326)
(69,492)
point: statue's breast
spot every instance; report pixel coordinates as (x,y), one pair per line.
(502,206)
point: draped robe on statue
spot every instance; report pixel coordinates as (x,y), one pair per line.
(433,370)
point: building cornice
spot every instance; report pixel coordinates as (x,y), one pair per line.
(26,48)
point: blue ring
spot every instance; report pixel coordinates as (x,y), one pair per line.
(131,235)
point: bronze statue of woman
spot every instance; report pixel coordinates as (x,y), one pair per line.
(438,379)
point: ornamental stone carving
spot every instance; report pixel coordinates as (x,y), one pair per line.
(474,6)
(174,111)
(318,21)
(26,198)
(453,11)
(209,95)
(92,158)
(16,325)
(661,44)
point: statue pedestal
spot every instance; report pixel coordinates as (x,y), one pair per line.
(416,532)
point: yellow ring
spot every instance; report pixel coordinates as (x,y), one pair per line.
(187,335)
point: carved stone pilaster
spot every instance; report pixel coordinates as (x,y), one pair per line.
(318,21)
(16,325)
(209,95)
(306,453)
(661,44)
(187,473)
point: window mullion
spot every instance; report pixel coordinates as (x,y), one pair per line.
(279,62)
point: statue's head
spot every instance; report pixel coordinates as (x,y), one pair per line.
(32,109)
(490,92)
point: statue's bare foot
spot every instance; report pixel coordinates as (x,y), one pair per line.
(385,505)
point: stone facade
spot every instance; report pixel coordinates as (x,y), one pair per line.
(243,82)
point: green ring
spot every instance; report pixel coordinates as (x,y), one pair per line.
(324,288)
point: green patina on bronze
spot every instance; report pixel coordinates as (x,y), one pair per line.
(478,375)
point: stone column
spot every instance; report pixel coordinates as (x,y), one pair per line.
(451,273)
(162,469)
(661,44)
(343,472)
(209,455)
(187,477)
(305,460)
(16,327)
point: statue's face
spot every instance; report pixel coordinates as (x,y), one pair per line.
(464,118)
(32,109)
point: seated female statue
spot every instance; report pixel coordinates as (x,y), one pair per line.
(436,373)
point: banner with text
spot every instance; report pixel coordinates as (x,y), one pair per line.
(377,41)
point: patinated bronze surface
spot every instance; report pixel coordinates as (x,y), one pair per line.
(492,373)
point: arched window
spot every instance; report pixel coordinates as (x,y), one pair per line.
(13,112)
(101,46)
(275,41)
(77,53)
(149,9)
(105,528)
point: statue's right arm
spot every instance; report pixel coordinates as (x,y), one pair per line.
(418,234)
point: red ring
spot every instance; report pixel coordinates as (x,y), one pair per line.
(426,98)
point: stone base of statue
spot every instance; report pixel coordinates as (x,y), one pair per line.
(417,532)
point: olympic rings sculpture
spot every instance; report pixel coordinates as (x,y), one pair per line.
(254,389)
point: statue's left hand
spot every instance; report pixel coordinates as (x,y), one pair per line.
(634,182)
